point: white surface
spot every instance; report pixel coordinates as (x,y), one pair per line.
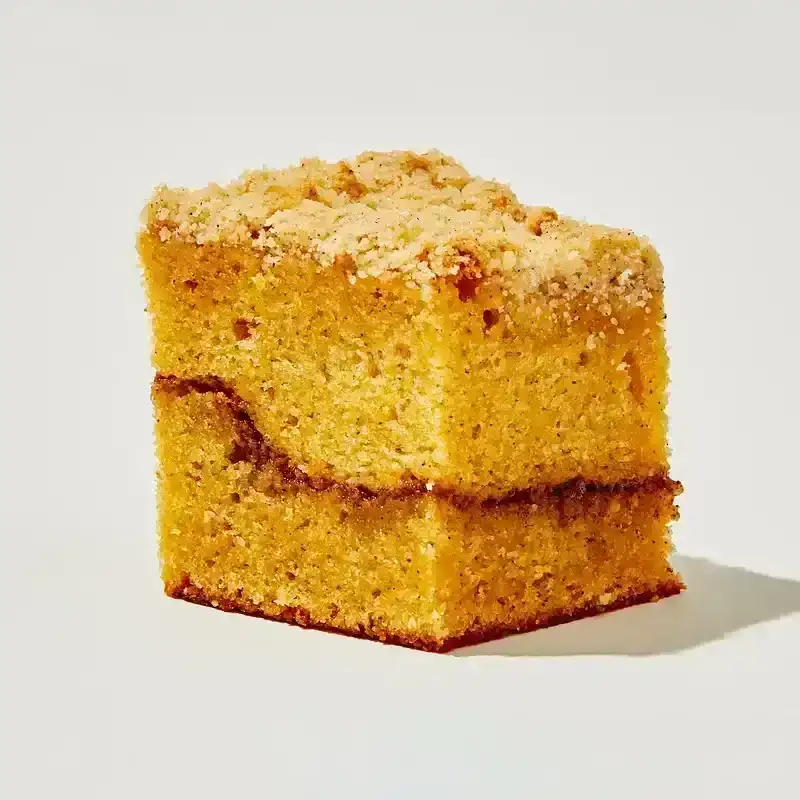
(677,119)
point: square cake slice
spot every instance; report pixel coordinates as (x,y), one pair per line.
(393,401)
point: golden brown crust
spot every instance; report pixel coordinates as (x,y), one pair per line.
(252,446)
(185,590)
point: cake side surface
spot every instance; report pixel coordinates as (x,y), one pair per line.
(323,365)
(535,395)
(555,556)
(445,389)
(239,530)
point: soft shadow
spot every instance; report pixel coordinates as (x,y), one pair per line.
(718,601)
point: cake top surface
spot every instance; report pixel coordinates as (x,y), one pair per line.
(419,216)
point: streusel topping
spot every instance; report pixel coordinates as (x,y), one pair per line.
(421,216)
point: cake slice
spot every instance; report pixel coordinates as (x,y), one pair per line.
(392,400)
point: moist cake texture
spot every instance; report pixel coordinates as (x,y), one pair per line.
(380,383)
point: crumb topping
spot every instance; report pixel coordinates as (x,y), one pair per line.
(420,216)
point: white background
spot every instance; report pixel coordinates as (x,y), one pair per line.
(680,120)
